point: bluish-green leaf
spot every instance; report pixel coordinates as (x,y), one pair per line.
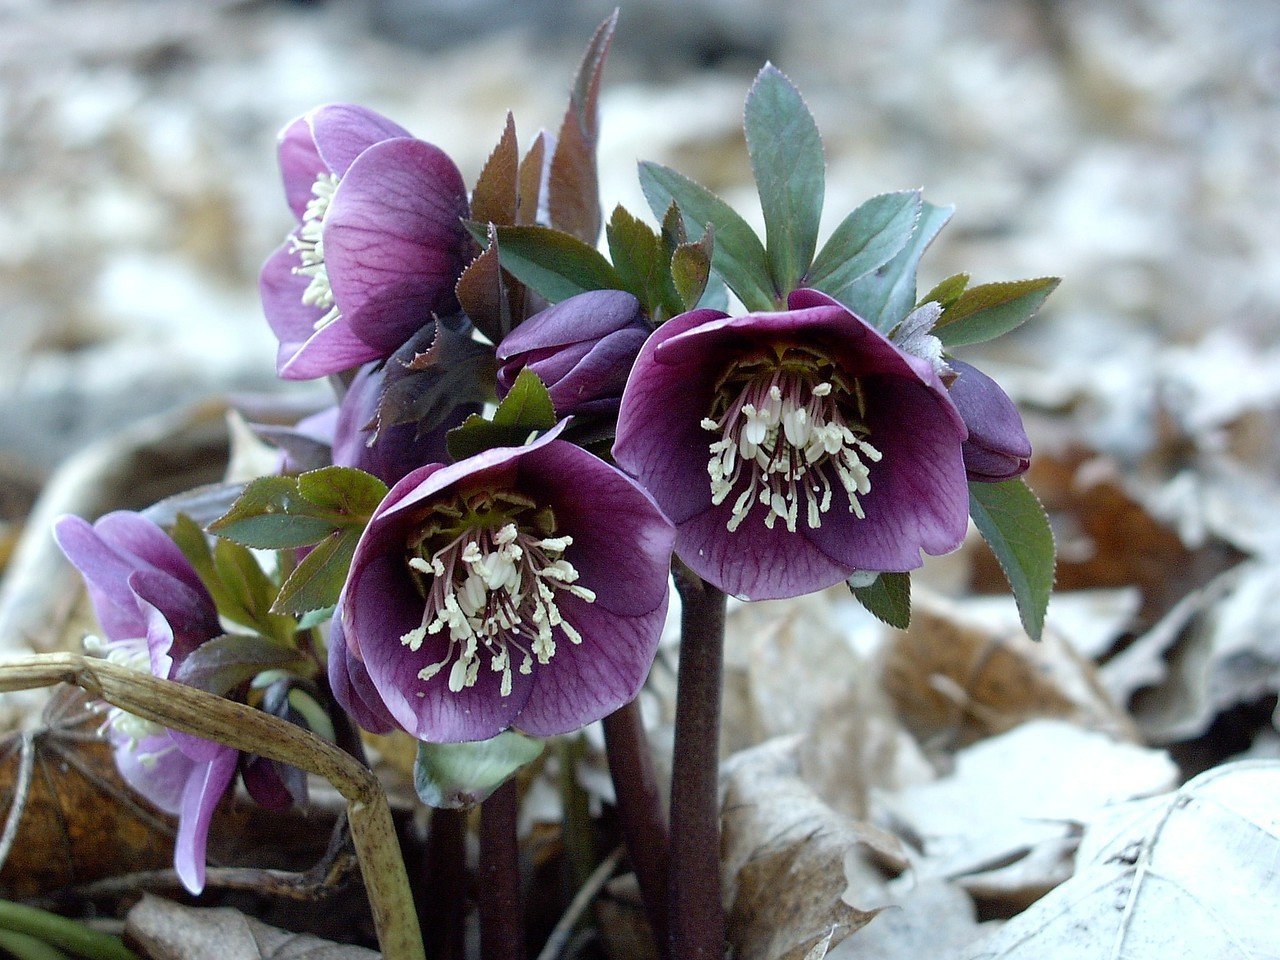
(272,514)
(691,269)
(991,309)
(887,294)
(866,239)
(454,776)
(317,581)
(739,257)
(888,598)
(638,258)
(526,409)
(947,291)
(790,171)
(1012,521)
(555,264)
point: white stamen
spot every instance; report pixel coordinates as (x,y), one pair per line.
(308,243)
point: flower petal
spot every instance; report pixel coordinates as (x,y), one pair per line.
(205,787)
(300,164)
(587,316)
(178,618)
(393,240)
(997,448)
(106,574)
(362,702)
(153,768)
(343,131)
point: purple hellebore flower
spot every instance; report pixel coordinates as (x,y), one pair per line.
(791,449)
(154,611)
(379,244)
(581,348)
(997,448)
(523,587)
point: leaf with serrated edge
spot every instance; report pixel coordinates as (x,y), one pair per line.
(638,257)
(453,776)
(1013,522)
(496,193)
(947,291)
(317,580)
(272,514)
(553,263)
(739,256)
(790,172)
(530,180)
(347,491)
(484,295)
(866,240)
(888,599)
(573,188)
(991,309)
(886,295)
(526,409)
(691,268)
(249,591)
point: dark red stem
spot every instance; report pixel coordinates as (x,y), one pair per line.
(442,907)
(501,916)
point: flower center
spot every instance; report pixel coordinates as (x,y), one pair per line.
(494,589)
(308,243)
(132,653)
(789,425)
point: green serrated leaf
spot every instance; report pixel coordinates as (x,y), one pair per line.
(691,269)
(526,409)
(249,591)
(272,514)
(739,256)
(886,295)
(317,581)
(345,491)
(314,618)
(638,257)
(947,291)
(888,598)
(866,240)
(1013,522)
(555,264)
(223,663)
(991,309)
(790,172)
(453,776)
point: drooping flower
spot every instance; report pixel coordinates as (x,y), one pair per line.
(793,448)
(997,448)
(581,348)
(154,612)
(523,587)
(379,243)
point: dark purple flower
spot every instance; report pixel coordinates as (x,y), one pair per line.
(997,448)
(523,587)
(793,448)
(379,243)
(155,613)
(582,349)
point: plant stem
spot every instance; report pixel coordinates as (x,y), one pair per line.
(442,905)
(695,914)
(24,947)
(501,917)
(640,810)
(53,930)
(579,850)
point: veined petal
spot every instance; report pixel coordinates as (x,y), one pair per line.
(343,131)
(300,164)
(205,787)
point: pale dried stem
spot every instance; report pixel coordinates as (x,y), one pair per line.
(193,711)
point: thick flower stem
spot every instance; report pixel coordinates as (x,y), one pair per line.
(695,914)
(501,916)
(640,810)
(442,904)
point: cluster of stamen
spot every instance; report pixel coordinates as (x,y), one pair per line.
(788,426)
(134,654)
(494,591)
(308,243)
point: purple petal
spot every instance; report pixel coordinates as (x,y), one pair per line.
(205,787)
(300,164)
(305,352)
(587,316)
(343,131)
(362,702)
(139,536)
(154,769)
(997,448)
(106,573)
(266,786)
(178,619)
(393,240)
(601,374)
(584,682)
(398,450)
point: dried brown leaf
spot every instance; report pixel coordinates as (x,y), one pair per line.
(167,931)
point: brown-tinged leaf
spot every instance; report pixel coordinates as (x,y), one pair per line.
(573,187)
(167,931)
(691,268)
(432,374)
(495,197)
(489,295)
(783,858)
(957,677)
(530,180)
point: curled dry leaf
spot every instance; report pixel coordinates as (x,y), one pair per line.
(167,931)
(1188,874)
(783,857)
(928,920)
(957,676)
(1006,823)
